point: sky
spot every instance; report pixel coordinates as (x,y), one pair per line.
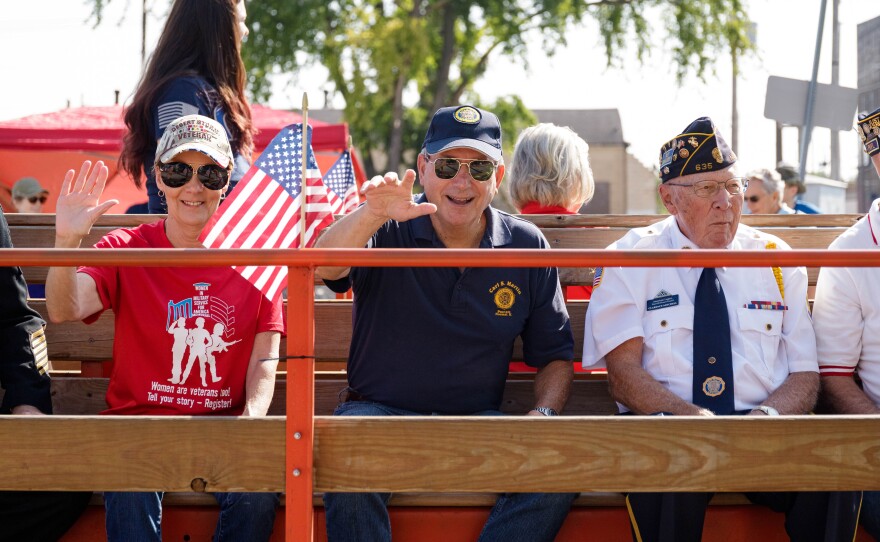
(54,56)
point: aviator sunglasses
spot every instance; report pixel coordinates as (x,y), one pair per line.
(480,170)
(177,174)
(35,199)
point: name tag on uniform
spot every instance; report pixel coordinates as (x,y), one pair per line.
(662,300)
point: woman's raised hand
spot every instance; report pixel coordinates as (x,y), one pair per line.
(77,208)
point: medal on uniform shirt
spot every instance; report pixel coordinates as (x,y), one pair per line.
(713,386)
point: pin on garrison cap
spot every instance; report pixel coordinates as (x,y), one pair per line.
(868,127)
(464,126)
(699,148)
(195,133)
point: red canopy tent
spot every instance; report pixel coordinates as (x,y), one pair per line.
(45,146)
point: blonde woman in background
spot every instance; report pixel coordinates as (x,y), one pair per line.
(550,174)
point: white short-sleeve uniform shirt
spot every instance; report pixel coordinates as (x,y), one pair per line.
(846,311)
(657,304)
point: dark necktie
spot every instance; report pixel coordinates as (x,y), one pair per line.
(713,361)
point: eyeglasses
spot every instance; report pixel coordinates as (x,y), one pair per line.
(753,199)
(177,174)
(35,199)
(480,170)
(707,189)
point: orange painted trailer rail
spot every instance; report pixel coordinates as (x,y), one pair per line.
(299,432)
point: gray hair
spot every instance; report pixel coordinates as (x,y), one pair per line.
(551,166)
(769,180)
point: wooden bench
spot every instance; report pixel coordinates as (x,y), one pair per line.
(562,231)
(426,462)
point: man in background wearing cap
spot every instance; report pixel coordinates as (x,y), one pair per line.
(28,196)
(847,321)
(709,342)
(794,187)
(452,357)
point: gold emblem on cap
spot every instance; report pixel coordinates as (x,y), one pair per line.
(684,153)
(692,141)
(716,154)
(467,115)
(713,386)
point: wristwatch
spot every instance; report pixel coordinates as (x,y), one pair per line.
(546,411)
(768,410)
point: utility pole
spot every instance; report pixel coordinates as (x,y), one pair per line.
(144,11)
(807,128)
(752,34)
(835,80)
(734,114)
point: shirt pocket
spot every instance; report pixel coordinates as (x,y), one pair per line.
(667,330)
(761,331)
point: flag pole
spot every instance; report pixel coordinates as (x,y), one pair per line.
(306,148)
(349,144)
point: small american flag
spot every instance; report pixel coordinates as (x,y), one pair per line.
(341,185)
(264,209)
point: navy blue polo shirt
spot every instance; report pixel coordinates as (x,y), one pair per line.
(439,340)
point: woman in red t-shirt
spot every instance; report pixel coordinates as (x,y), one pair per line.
(161,312)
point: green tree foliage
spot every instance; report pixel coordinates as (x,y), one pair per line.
(394,62)
(381,54)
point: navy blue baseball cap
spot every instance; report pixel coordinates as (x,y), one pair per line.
(464,126)
(700,147)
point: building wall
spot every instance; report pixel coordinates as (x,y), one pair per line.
(609,171)
(641,186)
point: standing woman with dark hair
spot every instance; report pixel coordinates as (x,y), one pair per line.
(195,69)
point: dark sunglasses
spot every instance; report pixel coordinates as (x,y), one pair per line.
(753,199)
(35,199)
(177,174)
(480,170)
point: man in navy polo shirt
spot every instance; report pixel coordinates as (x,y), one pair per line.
(451,357)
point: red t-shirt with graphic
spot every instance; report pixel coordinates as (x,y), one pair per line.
(183,335)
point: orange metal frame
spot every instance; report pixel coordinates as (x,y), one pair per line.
(299,519)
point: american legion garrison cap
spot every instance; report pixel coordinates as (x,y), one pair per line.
(700,147)
(868,127)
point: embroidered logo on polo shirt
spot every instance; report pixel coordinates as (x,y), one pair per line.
(504,296)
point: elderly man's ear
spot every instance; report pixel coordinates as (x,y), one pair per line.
(666,198)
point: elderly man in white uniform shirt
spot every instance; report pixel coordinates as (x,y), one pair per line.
(846,316)
(707,342)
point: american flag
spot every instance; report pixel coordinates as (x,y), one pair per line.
(341,185)
(264,209)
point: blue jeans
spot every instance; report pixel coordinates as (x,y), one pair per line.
(363,517)
(870,517)
(137,517)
